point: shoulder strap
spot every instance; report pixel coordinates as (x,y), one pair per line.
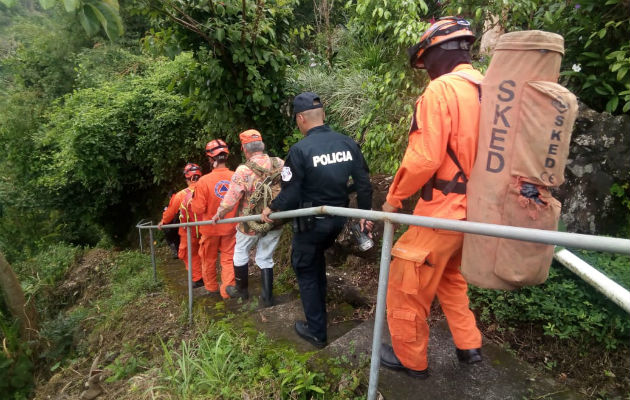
(258,170)
(451,154)
(469,78)
(466,76)
(275,163)
(452,186)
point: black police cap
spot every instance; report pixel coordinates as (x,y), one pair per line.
(306,101)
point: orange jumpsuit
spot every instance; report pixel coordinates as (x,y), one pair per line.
(175,205)
(426,261)
(209,192)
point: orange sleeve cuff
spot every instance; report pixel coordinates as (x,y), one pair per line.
(394,201)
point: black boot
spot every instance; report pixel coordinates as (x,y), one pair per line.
(174,249)
(241,278)
(266,275)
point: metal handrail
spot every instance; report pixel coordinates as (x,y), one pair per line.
(576,240)
(602,283)
(142,222)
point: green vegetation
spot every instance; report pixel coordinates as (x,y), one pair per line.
(597,58)
(241,49)
(58,279)
(564,306)
(565,325)
(106,147)
(229,363)
(96,132)
(223,357)
(16,361)
(96,122)
(93,15)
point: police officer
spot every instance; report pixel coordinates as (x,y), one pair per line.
(316,173)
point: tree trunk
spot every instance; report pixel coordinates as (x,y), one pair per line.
(19,308)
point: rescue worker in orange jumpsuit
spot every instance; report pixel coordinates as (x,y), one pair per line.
(209,192)
(440,154)
(181,202)
(171,235)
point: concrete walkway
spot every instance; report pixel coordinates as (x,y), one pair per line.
(499,376)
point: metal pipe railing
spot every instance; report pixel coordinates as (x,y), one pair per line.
(379,316)
(589,242)
(609,288)
(142,222)
(152,254)
(190,267)
(577,240)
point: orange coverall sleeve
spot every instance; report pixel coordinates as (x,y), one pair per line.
(173,207)
(426,149)
(199,201)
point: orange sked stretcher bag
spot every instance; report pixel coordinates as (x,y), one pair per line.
(524,134)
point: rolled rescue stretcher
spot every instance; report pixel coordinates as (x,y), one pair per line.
(524,134)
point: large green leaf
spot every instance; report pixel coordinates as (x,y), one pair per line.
(107,13)
(46,4)
(71,5)
(97,14)
(8,3)
(88,20)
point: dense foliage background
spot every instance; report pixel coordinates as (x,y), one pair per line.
(102,104)
(95,131)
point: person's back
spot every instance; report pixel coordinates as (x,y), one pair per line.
(330,160)
(172,210)
(247,179)
(215,239)
(181,202)
(316,173)
(209,192)
(439,157)
(449,114)
(186,213)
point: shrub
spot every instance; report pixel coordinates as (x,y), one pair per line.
(106,150)
(597,58)
(241,49)
(16,367)
(49,266)
(363,98)
(564,306)
(40,275)
(58,335)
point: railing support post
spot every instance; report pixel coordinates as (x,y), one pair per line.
(379,316)
(190,267)
(140,238)
(152,254)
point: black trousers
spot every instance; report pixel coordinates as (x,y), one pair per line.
(309,265)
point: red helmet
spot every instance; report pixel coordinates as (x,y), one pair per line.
(192,172)
(443,32)
(216,147)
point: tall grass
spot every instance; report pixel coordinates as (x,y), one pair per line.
(345,93)
(228,362)
(368,94)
